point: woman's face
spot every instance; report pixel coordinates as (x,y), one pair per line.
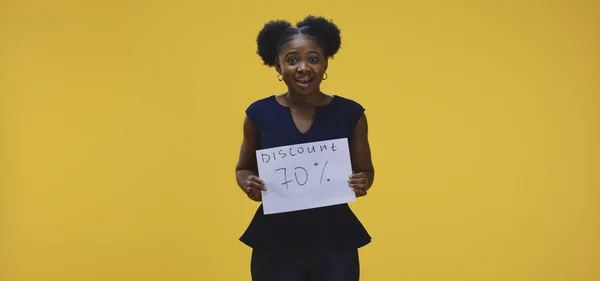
(302,65)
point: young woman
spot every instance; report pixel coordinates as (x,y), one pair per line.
(320,243)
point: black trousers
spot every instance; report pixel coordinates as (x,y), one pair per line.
(318,266)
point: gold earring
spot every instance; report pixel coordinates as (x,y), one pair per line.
(326,76)
(279,77)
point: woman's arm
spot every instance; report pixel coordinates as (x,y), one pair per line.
(360,154)
(246,169)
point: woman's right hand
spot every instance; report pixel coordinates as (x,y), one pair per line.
(253,187)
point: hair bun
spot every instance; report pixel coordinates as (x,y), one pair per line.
(326,31)
(267,40)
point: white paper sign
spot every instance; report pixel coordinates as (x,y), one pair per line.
(305,176)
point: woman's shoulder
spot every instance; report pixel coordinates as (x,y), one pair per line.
(261,108)
(267,103)
(348,103)
(262,102)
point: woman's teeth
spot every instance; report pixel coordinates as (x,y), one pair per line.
(304,82)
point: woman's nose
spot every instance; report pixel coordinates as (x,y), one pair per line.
(302,67)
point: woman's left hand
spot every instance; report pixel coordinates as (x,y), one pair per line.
(360,183)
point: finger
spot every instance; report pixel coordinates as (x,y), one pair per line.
(253,192)
(358,180)
(360,192)
(261,183)
(358,186)
(255,185)
(255,197)
(358,175)
(358,183)
(256,179)
(250,190)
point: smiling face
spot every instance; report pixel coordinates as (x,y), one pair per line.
(302,65)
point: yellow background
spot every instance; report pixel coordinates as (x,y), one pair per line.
(121,122)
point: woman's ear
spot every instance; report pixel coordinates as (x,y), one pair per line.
(277,66)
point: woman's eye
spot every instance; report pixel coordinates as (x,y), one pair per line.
(292,60)
(313,59)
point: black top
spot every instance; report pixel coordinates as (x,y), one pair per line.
(325,228)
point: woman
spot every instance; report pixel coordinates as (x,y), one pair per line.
(320,243)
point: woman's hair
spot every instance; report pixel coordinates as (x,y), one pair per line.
(276,33)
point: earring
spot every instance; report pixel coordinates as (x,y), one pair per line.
(279,77)
(326,76)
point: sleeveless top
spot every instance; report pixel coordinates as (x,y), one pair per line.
(325,228)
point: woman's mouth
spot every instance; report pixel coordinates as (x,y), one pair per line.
(304,82)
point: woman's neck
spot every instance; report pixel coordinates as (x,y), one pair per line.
(306,101)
